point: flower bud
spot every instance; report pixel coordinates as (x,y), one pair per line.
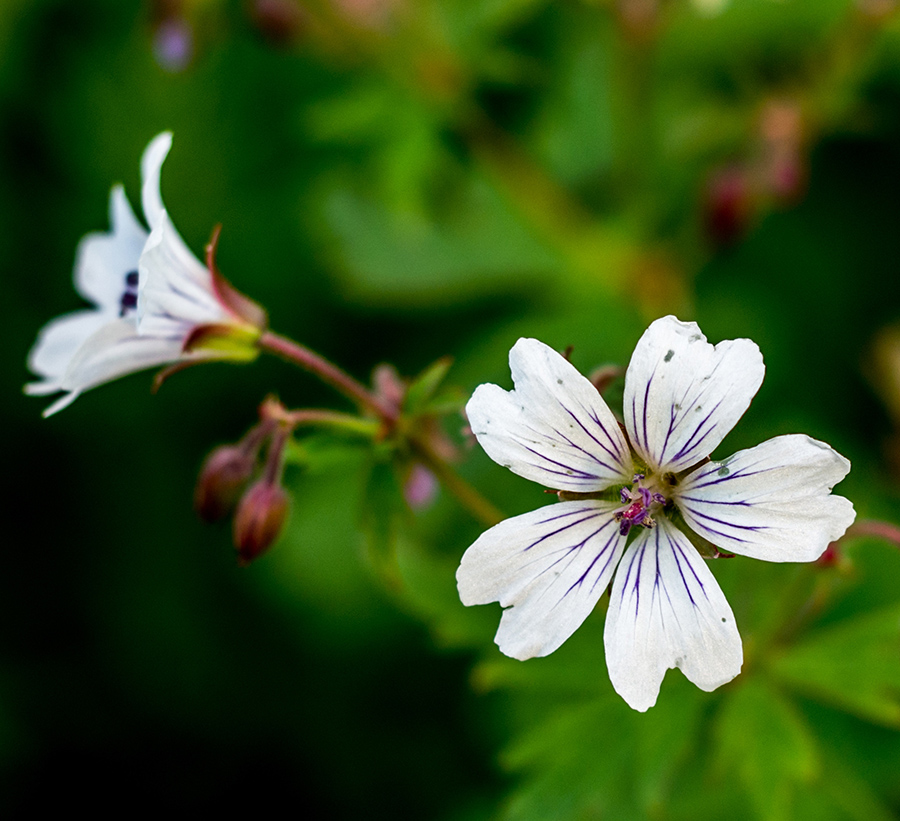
(728,206)
(281,22)
(224,474)
(259,519)
(420,488)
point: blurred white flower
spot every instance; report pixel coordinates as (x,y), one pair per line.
(548,568)
(154,302)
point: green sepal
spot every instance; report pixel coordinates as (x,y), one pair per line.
(238,343)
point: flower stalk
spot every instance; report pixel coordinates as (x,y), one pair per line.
(329,373)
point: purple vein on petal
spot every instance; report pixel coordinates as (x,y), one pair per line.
(682,498)
(614,454)
(568,470)
(752,528)
(676,552)
(565,438)
(644,413)
(585,452)
(738,474)
(637,556)
(691,444)
(593,515)
(610,543)
(658,584)
(571,551)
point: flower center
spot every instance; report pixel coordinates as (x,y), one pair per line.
(640,501)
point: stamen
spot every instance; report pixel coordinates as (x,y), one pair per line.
(131,279)
(127,303)
(639,502)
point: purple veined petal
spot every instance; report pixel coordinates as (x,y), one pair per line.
(667,610)
(683,395)
(172,294)
(771,502)
(56,345)
(553,428)
(183,263)
(547,567)
(106,263)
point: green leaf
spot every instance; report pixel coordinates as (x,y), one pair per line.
(763,741)
(423,388)
(853,665)
(387,254)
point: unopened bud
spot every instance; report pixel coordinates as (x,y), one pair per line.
(259,519)
(281,22)
(420,488)
(222,479)
(728,206)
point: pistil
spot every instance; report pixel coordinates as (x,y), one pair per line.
(640,501)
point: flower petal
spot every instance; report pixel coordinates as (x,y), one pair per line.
(176,290)
(771,502)
(103,261)
(548,567)
(151,168)
(57,343)
(682,395)
(116,349)
(554,428)
(183,263)
(667,610)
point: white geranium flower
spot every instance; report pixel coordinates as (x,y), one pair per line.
(154,302)
(625,498)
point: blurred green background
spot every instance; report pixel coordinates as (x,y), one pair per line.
(398,180)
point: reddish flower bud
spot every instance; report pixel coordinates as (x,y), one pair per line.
(728,206)
(281,22)
(259,519)
(222,479)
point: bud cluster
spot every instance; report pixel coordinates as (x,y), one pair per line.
(237,479)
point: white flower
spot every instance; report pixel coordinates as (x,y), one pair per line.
(548,568)
(154,302)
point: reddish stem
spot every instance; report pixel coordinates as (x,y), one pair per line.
(329,373)
(874,529)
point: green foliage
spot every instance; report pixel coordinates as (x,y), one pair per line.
(854,665)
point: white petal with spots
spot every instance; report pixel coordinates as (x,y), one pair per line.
(771,502)
(683,395)
(667,610)
(553,428)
